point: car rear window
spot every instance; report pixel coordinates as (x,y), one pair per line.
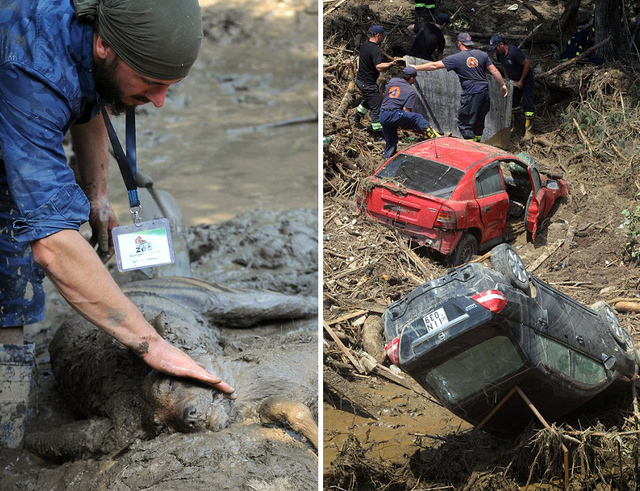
(422,175)
(474,369)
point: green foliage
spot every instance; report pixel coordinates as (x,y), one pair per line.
(634,93)
(632,224)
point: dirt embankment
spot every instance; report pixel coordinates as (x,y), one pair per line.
(386,435)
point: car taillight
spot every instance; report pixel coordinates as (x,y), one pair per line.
(446,218)
(392,350)
(492,300)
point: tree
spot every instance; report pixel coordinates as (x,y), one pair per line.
(608,21)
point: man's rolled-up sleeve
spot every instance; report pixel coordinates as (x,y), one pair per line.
(33,119)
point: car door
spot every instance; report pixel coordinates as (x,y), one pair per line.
(492,201)
(535,205)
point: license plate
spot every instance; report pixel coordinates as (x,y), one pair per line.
(435,319)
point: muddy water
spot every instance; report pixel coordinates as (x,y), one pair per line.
(403,417)
(257,65)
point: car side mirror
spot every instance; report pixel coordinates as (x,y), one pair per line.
(608,361)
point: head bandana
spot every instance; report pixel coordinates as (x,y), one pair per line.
(158,38)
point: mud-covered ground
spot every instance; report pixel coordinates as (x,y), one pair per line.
(380,434)
(209,148)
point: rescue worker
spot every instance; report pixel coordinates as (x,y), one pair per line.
(518,69)
(62,62)
(395,111)
(369,69)
(471,66)
(424,10)
(429,42)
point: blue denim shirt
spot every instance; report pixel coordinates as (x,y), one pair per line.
(46,84)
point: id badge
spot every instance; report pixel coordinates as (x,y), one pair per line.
(144,245)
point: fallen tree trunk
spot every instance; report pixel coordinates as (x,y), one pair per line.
(572,61)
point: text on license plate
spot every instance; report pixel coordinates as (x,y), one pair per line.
(433,320)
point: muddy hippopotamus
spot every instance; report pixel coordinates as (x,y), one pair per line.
(275,385)
(103,381)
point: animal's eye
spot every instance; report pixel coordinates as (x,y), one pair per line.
(160,427)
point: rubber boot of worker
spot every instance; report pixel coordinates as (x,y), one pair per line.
(376,131)
(477,138)
(357,118)
(528,119)
(516,120)
(17,364)
(431,133)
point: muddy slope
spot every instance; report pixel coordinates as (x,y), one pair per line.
(380,434)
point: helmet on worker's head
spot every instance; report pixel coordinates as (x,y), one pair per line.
(158,38)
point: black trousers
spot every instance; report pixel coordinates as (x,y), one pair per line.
(371,100)
(473,109)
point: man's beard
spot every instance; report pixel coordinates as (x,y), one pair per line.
(108,88)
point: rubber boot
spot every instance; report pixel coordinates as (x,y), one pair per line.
(17,363)
(431,133)
(527,127)
(357,119)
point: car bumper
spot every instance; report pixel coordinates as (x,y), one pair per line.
(441,240)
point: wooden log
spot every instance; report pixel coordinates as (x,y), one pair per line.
(346,98)
(583,136)
(566,64)
(346,351)
(627,306)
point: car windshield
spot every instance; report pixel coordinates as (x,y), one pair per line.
(472,370)
(424,176)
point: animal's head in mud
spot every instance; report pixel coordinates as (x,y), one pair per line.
(181,405)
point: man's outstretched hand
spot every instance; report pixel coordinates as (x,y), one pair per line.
(168,359)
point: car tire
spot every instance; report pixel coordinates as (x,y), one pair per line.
(465,250)
(608,316)
(505,260)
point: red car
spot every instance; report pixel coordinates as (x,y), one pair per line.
(454,196)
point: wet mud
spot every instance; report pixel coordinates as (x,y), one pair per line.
(258,64)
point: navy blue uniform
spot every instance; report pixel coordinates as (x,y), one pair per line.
(398,96)
(513,63)
(471,67)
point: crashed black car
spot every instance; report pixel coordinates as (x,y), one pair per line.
(472,335)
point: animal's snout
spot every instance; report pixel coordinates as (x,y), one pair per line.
(190,416)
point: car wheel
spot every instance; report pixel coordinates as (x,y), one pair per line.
(465,250)
(505,260)
(608,316)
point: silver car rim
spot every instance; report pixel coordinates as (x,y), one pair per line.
(516,265)
(613,322)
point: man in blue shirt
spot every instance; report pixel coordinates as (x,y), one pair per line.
(60,63)
(518,69)
(471,66)
(395,111)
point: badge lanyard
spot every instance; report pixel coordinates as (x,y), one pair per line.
(143,244)
(127,163)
